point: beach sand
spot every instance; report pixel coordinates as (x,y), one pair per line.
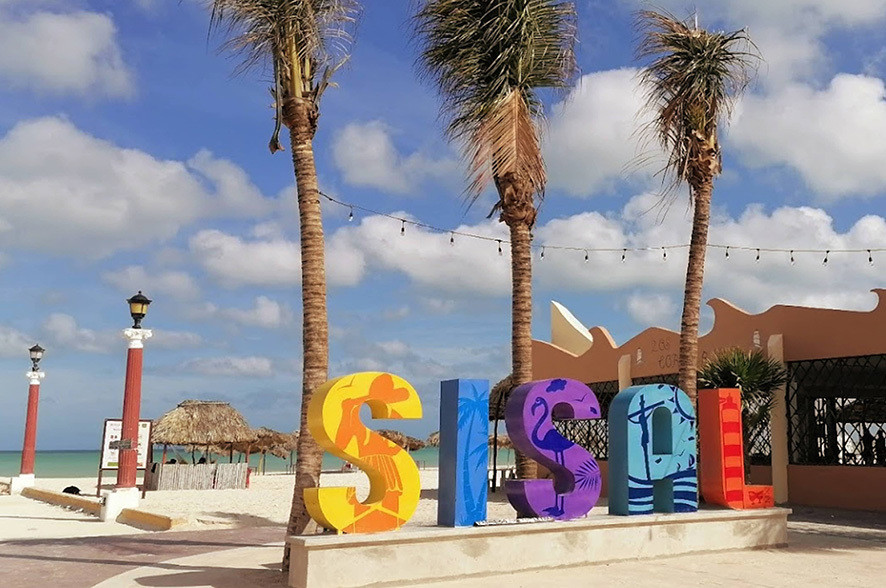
(267,500)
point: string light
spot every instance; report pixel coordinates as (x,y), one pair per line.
(587,250)
(586,255)
(499,246)
(664,254)
(758,256)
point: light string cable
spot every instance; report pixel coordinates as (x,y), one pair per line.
(758,251)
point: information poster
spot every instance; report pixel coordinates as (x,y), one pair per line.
(111,437)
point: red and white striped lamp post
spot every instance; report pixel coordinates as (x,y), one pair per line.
(126,494)
(25,479)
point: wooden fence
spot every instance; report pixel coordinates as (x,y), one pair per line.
(220,476)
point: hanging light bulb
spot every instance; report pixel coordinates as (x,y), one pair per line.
(826,254)
(586,255)
(402,227)
(758,256)
(624,255)
(351,215)
(727,252)
(542,253)
(870,257)
(499,246)
(452,238)
(664,254)
(792,257)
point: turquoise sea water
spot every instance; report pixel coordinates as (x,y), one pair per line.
(83,464)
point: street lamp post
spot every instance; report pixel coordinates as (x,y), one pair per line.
(125,494)
(25,479)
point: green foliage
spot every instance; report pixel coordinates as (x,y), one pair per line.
(757,376)
(692,82)
(750,371)
(481,52)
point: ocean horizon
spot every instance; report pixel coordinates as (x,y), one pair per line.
(83,463)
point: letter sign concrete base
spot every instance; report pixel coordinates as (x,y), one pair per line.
(419,556)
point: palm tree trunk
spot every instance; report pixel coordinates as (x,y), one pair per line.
(315,330)
(692,293)
(521,323)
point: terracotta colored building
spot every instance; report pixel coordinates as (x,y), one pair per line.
(826,443)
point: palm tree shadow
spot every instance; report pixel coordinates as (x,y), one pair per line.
(220,578)
(241,520)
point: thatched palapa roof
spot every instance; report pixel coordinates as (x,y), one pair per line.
(504,442)
(434,439)
(201,423)
(405,441)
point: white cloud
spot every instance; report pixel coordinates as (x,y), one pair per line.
(230,366)
(235,261)
(177,284)
(654,310)
(233,189)
(63,331)
(174,339)
(63,53)
(267,314)
(13,343)
(366,156)
(96,198)
(428,258)
(269,259)
(833,137)
(595,137)
(473,267)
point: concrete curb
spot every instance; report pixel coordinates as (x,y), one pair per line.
(73,501)
(148,521)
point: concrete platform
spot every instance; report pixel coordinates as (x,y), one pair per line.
(416,556)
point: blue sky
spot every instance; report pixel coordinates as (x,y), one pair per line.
(132,158)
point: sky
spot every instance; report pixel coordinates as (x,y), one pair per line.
(134,157)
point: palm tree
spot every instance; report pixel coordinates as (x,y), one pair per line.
(302,42)
(488,58)
(758,378)
(692,82)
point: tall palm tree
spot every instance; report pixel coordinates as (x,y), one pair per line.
(302,42)
(488,59)
(692,82)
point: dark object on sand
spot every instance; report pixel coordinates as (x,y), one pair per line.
(72,490)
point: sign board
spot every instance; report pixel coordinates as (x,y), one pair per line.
(111,444)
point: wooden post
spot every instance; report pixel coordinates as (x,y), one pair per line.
(778,426)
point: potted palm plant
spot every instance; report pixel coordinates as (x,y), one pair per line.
(756,377)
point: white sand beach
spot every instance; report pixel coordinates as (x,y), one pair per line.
(267,500)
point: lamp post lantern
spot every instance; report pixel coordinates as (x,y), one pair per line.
(125,494)
(25,478)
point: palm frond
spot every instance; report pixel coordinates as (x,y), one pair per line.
(691,83)
(488,59)
(302,42)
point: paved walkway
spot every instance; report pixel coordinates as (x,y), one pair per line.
(827,548)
